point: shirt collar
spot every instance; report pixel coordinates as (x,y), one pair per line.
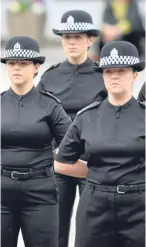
(77,66)
(27,95)
(126,105)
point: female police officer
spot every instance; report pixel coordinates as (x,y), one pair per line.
(76,84)
(112,133)
(30,119)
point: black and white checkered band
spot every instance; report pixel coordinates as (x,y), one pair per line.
(76,26)
(122,60)
(21,53)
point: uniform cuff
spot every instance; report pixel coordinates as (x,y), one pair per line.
(66,160)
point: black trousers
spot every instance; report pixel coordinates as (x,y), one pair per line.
(108,219)
(31,205)
(67,192)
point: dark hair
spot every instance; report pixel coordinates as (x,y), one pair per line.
(35,62)
(90,35)
(35,75)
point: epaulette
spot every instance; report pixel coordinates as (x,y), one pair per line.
(3,92)
(50,95)
(96,67)
(91,106)
(96,63)
(52,67)
(142,103)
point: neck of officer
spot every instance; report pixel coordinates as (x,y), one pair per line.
(78,60)
(119,99)
(23,88)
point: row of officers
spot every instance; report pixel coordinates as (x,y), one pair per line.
(81,126)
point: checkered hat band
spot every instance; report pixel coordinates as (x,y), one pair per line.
(122,60)
(76,26)
(21,53)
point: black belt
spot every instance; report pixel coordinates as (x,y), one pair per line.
(121,189)
(26,173)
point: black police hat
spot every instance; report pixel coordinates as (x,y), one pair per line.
(22,48)
(120,54)
(77,21)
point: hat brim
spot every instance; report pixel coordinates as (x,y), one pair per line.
(137,67)
(39,60)
(93,32)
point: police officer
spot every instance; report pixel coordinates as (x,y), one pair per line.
(141,95)
(76,84)
(112,133)
(30,120)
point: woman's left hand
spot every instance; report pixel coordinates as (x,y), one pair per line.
(78,169)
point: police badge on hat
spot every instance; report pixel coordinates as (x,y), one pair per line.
(70,20)
(17,47)
(114,53)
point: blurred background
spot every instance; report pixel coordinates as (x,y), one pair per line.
(36,18)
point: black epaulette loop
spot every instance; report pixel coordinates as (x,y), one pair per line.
(52,67)
(142,103)
(50,95)
(3,92)
(91,106)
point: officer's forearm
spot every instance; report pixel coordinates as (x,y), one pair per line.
(78,169)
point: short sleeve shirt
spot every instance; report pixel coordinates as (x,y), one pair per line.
(28,125)
(114,139)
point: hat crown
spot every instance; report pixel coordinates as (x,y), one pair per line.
(118,54)
(22,42)
(76,21)
(22,48)
(119,48)
(76,16)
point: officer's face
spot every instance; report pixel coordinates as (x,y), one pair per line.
(76,45)
(119,80)
(21,71)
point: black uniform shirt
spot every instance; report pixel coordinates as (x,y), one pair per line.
(141,95)
(75,85)
(28,124)
(114,139)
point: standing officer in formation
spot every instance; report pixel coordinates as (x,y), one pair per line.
(112,133)
(76,84)
(30,120)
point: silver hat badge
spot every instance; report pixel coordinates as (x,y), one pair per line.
(17,46)
(114,53)
(70,20)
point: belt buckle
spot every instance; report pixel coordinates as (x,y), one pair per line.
(12,174)
(119,191)
(15,172)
